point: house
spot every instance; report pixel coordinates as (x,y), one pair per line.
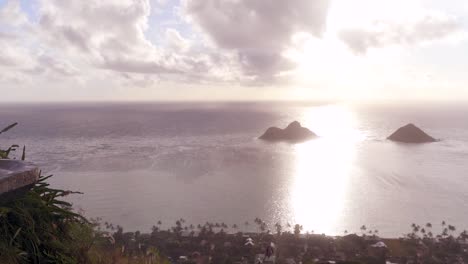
(249,242)
(261,258)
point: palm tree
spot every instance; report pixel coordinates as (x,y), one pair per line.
(279,228)
(297,229)
(463,235)
(363,229)
(445,232)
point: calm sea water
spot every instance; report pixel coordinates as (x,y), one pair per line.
(140,163)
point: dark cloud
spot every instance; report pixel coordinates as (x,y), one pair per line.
(258,30)
(263,65)
(384,33)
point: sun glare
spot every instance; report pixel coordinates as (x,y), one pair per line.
(344,13)
(318,191)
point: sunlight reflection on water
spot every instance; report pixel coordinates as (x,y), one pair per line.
(318,191)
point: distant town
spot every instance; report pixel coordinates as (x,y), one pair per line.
(218,243)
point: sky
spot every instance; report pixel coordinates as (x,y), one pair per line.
(210,50)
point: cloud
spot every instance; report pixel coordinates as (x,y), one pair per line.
(176,41)
(75,37)
(111,35)
(258,31)
(11,14)
(430,27)
(13,21)
(88,45)
(96,27)
(58,66)
(10,56)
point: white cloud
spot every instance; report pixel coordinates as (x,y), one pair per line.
(426,28)
(176,41)
(112,35)
(11,14)
(13,53)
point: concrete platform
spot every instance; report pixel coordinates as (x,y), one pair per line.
(16,174)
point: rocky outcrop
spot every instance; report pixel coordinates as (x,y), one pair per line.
(15,174)
(411,134)
(294,132)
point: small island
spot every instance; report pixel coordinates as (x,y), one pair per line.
(411,134)
(294,132)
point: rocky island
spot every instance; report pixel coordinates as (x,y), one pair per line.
(411,134)
(294,132)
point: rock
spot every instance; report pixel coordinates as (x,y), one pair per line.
(16,174)
(411,134)
(294,132)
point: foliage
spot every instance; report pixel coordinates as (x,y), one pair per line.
(5,153)
(37,228)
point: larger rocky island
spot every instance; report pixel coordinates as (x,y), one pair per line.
(411,134)
(294,132)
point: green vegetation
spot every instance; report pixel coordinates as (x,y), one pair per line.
(38,227)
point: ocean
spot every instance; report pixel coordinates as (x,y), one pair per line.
(140,163)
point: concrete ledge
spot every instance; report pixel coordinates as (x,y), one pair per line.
(16,174)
